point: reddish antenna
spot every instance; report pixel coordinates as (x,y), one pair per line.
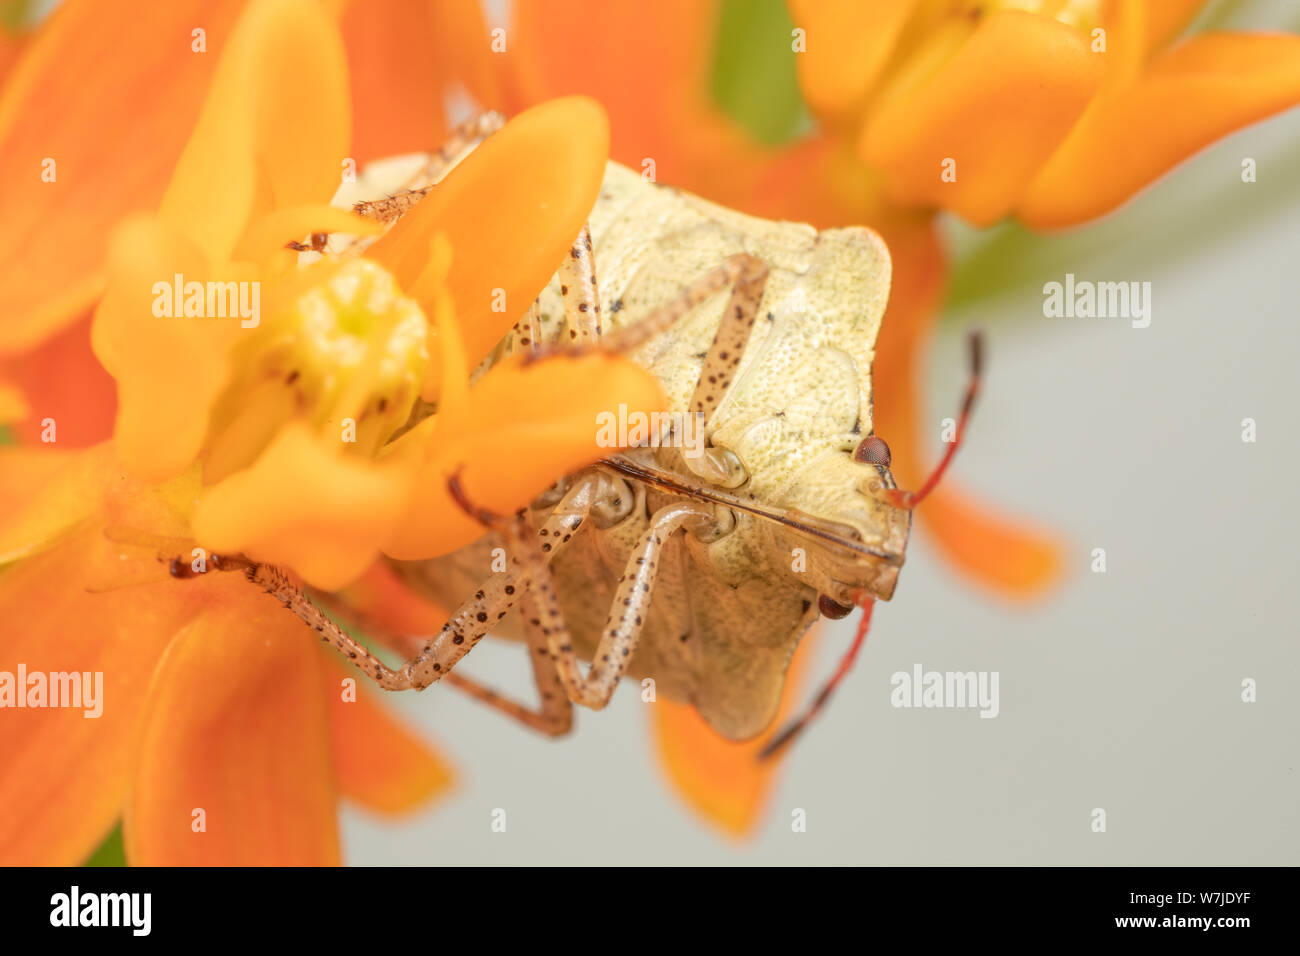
(792,730)
(874,451)
(910,499)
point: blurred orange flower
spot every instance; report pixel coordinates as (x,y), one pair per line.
(225,434)
(1029,104)
(224,737)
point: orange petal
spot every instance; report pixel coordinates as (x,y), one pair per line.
(1162,19)
(1201,90)
(511,210)
(63,381)
(380,596)
(529,422)
(463,48)
(233,725)
(673,120)
(50,258)
(848,44)
(170,368)
(656,87)
(821,182)
(273,131)
(13,405)
(377,762)
(998,108)
(396,78)
(446,380)
(11,46)
(307,505)
(404,58)
(1004,555)
(47,492)
(720,779)
(63,776)
(159,510)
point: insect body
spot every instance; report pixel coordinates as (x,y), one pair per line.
(775,519)
(699,558)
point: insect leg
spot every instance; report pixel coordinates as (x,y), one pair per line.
(526,336)
(748,279)
(747,276)
(622,631)
(465,628)
(462,141)
(577,277)
(277,582)
(554,716)
(473,619)
(662,318)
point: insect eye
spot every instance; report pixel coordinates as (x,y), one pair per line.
(833,609)
(872,451)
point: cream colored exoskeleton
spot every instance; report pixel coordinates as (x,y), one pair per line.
(698,566)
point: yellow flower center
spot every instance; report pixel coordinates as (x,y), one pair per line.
(344,351)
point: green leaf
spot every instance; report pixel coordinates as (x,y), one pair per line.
(754,79)
(110,852)
(19,15)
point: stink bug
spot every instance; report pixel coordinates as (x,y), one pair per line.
(698,567)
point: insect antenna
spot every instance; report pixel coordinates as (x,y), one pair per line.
(910,499)
(793,729)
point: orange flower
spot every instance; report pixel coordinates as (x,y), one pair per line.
(215,729)
(217,745)
(1032,116)
(51,247)
(223,735)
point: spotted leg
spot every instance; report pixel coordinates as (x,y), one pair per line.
(627,616)
(747,277)
(462,141)
(526,336)
(473,619)
(577,275)
(552,716)
(554,713)
(278,583)
(466,626)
